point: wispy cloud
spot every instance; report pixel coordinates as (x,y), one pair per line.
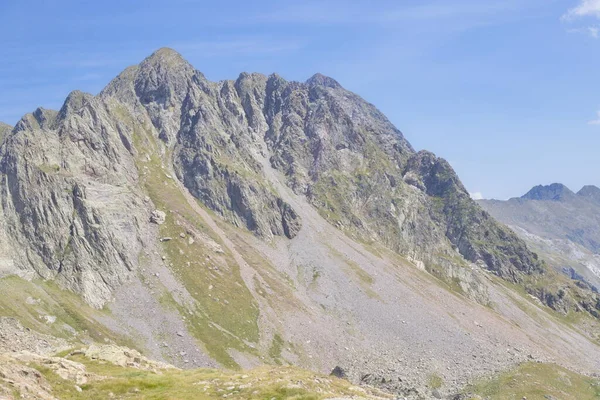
(476,196)
(586,8)
(595,121)
(592,31)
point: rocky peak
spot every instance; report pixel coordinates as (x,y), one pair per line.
(591,192)
(4,130)
(322,80)
(471,230)
(75,101)
(165,56)
(163,78)
(160,84)
(39,119)
(435,175)
(46,118)
(553,192)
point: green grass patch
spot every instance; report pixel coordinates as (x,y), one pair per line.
(29,302)
(276,348)
(434,381)
(536,381)
(263,383)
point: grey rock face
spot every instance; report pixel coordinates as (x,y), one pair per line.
(69,207)
(212,140)
(476,235)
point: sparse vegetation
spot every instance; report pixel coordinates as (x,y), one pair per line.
(263,383)
(276,348)
(30,302)
(536,381)
(435,381)
(362,277)
(225,314)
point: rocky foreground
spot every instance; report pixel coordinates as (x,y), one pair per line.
(107,371)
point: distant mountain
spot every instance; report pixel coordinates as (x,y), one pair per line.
(591,192)
(561,225)
(554,192)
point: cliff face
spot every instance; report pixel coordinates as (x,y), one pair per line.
(70,207)
(141,198)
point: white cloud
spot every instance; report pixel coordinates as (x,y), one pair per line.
(592,31)
(596,121)
(586,8)
(476,196)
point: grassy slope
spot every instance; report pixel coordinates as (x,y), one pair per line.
(262,383)
(538,382)
(29,302)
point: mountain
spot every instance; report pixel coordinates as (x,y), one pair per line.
(555,192)
(591,192)
(4,130)
(237,223)
(559,224)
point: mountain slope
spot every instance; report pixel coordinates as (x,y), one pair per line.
(255,221)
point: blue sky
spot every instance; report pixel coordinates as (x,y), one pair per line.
(506,90)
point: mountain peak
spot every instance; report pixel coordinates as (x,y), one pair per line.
(4,129)
(322,80)
(165,55)
(160,77)
(591,192)
(74,101)
(553,192)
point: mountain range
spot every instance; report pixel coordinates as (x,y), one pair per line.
(258,221)
(559,224)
